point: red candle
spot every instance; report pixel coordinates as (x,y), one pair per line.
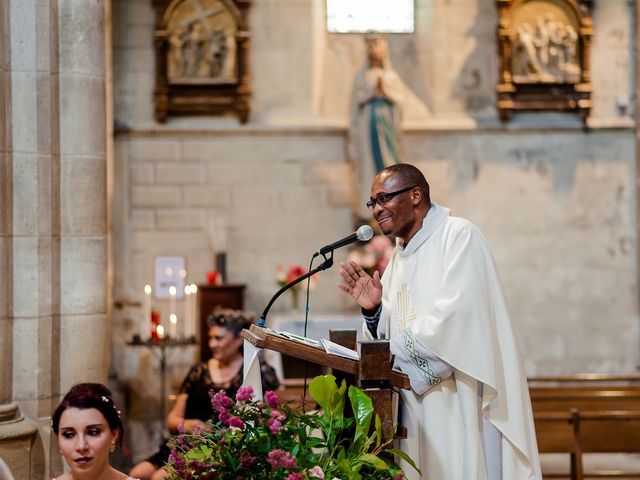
(155,321)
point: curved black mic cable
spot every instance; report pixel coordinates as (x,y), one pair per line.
(306,321)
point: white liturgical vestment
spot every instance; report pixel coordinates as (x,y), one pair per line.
(442,303)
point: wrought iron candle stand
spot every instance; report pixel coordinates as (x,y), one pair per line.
(159,349)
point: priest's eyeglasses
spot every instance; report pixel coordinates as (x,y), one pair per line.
(383,198)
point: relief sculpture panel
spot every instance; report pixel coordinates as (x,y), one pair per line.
(201,53)
(544,56)
(202,46)
(545,51)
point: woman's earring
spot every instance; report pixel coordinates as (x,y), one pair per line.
(112,448)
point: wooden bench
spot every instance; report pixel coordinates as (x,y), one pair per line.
(587,414)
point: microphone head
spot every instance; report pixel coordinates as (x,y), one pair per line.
(364,233)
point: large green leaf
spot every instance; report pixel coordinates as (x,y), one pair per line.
(322,388)
(362,411)
(325,391)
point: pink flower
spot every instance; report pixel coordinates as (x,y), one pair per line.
(271,398)
(236,422)
(244,394)
(280,458)
(274,426)
(247,460)
(220,400)
(223,415)
(380,244)
(294,476)
(294,272)
(374,255)
(276,415)
(400,476)
(316,472)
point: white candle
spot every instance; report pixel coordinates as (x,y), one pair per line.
(194,310)
(160,331)
(187,311)
(172,309)
(147,325)
(173,325)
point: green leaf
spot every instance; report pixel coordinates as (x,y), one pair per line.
(378,431)
(362,411)
(345,466)
(337,404)
(405,457)
(374,461)
(323,388)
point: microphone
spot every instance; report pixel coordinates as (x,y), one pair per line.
(363,234)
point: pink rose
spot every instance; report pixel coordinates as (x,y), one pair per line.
(280,458)
(236,422)
(244,394)
(271,398)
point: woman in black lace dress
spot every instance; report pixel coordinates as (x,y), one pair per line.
(222,371)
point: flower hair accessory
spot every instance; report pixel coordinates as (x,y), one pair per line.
(108,400)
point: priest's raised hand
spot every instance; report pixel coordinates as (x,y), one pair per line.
(365,289)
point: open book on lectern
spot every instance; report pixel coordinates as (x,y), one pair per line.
(330,347)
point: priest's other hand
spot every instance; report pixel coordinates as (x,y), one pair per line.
(365,290)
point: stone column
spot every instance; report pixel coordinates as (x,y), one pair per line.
(18,91)
(636,69)
(53,239)
(83,197)
(6,209)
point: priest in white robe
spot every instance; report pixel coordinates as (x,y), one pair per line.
(440,305)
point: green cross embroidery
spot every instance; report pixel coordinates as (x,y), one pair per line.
(405,314)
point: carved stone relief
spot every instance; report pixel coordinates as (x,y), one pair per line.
(545,51)
(201,53)
(202,46)
(544,56)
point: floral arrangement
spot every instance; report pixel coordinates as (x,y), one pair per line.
(285,276)
(257,440)
(289,275)
(374,255)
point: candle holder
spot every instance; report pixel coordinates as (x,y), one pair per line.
(158,347)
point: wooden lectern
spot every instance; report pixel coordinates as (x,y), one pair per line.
(372,373)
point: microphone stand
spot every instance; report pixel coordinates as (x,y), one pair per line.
(328,263)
